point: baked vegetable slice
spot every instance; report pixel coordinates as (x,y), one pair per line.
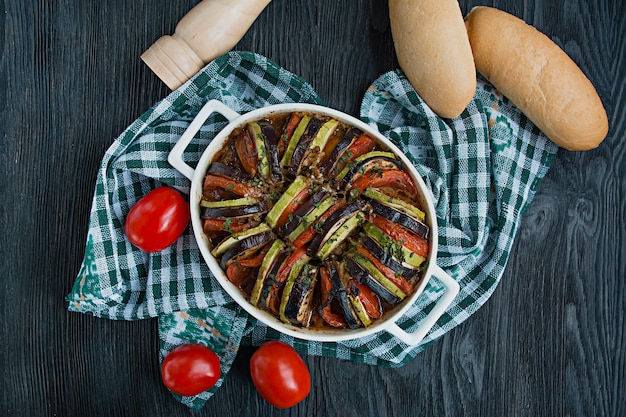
(297,299)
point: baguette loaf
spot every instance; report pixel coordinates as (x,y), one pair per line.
(538,77)
(434,53)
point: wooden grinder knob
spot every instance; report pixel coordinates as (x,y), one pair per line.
(210,29)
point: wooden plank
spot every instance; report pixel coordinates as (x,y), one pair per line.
(549,342)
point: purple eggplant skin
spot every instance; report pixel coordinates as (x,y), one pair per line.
(303,145)
(271,142)
(370,165)
(335,218)
(339,293)
(386,258)
(363,277)
(218,168)
(269,281)
(251,243)
(303,210)
(299,307)
(400,218)
(229,212)
(338,151)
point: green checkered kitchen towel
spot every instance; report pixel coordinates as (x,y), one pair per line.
(483,169)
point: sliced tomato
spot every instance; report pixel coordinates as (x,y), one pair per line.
(215,182)
(400,234)
(392,178)
(400,281)
(326,286)
(290,126)
(239,272)
(246,151)
(305,237)
(370,301)
(212,226)
(293,205)
(362,145)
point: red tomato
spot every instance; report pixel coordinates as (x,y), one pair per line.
(190,369)
(280,375)
(157,219)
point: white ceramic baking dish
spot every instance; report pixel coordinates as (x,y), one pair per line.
(388,321)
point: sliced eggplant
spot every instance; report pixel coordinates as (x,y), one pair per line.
(331,224)
(338,150)
(270,258)
(270,287)
(395,203)
(262,153)
(271,141)
(301,212)
(370,163)
(339,279)
(341,233)
(228,171)
(297,299)
(386,258)
(294,274)
(303,145)
(400,217)
(405,256)
(303,222)
(246,247)
(234,211)
(362,275)
(357,305)
(293,142)
(319,142)
(233,239)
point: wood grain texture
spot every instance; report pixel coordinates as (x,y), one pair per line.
(550,341)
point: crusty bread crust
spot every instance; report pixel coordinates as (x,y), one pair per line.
(434,53)
(538,77)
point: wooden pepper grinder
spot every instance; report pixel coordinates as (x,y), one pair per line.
(209,30)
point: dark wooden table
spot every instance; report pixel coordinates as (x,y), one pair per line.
(550,342)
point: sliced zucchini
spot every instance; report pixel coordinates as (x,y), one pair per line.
(338,150)
(386,258)
(269,259)
(319,209)
(245,248)
(293,142)
(372,160)
(331,224)
(396,203)
(262,153)
(237,202)
(294,274)
(297,300)
(232,240)
(362,275)
(303,145)
(234,211)
(341,232)
(406,257)
(358,307)
(292,191)
(393,214)
(322,136)
(339,279)
(301,212)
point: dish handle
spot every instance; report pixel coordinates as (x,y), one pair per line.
(175,158)
(451,290)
